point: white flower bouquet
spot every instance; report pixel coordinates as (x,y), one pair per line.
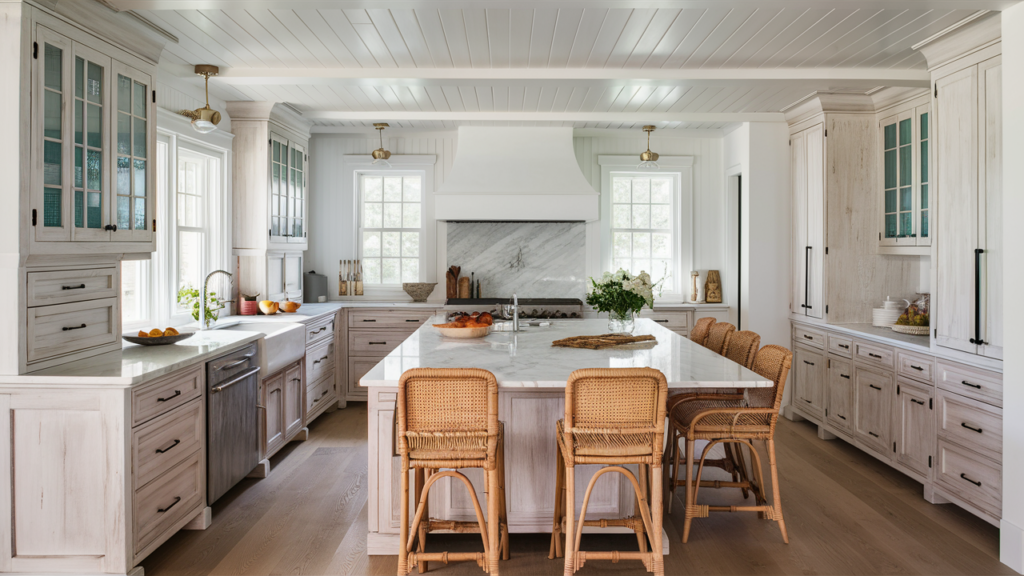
(621,294)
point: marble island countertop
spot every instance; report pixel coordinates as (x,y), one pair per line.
(527,360)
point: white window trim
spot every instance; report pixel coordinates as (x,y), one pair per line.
(681,167)
(354,166)
(176,131)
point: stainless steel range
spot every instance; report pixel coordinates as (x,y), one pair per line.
(529,308)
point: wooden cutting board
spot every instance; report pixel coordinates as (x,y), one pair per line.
(604,341)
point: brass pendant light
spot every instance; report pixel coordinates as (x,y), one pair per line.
(648,159)
(380,155)
(205,119)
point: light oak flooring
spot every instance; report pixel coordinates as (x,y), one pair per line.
(846,512)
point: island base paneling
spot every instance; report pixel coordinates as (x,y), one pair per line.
(935,420)
(530,453)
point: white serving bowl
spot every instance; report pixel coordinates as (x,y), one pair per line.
(478,332)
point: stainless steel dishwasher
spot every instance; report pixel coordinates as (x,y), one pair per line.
(232,432)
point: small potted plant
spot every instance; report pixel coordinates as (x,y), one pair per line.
(622,296)
(188,297)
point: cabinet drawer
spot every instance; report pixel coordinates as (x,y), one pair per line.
(166,394)
(319,330)
(318,395)
(167,440)
(168,499)
(357,368)
(840,345)
(915,366)
(66,328)
(675,321)
(377,343)
(971,424)
(64,286)
(972,382)
(319,362)
(969,476)
(405,319)
(808,337)
(874,354)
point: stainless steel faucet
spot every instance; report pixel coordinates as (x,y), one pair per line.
(202,298)
(515,313)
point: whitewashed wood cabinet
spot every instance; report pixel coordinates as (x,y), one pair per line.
(99,476)
(270,195)
(837,275)
(905,225)
(282,406)
(967,304)
(370,334)
(929,417)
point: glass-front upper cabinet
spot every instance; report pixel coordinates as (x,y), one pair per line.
(288,171)
(905,227)
(133,207)
(92,181)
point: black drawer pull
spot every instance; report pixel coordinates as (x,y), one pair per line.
(964,476)
(873,386)
(918,368)
(296,380)
(414,320)
(178,499)
(806,400)
(319,330)
(841,416)
(873,434)
(964,424)
(378,343)
(176,442)
(175,395)
(966,383)
(369,320)
(66,328)
(847,376)
(916,401)
(808,363)
(79,287)
(315,362)
(874,355)
(661,321)
(808,337)
(846,346)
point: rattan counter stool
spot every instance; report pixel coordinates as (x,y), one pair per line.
(447,419)
(614,417)
(737,421)
(741,348)
(718,337)
(700,330)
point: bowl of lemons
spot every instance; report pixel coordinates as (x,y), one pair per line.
(158,337)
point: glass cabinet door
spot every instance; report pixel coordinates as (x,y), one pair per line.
(51,169)
(90,106)
(280,228)
(903,141)
(133,207)
(924,225)
(297,194)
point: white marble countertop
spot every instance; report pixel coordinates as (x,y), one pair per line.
(136,364)
(527,359)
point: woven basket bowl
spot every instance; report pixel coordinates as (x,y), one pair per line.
(915,330)
(419,291)
(479,332)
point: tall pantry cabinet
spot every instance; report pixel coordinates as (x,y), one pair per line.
(837,275)
(270,197)
(968,253)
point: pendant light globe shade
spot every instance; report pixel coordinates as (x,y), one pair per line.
(205,119)
(648,159)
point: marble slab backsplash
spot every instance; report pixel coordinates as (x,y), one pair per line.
(532,259)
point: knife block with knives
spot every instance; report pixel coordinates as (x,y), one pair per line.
(350,278)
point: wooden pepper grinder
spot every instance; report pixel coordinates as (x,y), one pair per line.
(464,283)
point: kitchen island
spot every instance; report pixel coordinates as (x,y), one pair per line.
(531,378)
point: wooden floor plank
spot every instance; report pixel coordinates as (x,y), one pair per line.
(847,513)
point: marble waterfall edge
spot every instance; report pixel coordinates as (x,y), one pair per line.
(533,259)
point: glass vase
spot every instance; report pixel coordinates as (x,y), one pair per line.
(621,323)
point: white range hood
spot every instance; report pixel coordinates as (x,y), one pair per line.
(513,173)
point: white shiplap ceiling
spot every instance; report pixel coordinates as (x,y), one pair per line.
(679,64)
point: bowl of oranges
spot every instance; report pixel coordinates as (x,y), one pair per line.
(158,337)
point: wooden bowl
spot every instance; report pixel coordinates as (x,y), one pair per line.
(289,307)
(158,340)
(268,307)
(479,332)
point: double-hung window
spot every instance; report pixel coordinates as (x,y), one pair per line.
(392,230)
(644,227)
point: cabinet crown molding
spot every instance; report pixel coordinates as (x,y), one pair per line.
(277,112)
(979,30)
(124,29)
(829,102)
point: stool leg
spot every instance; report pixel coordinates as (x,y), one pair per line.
(642,495)
(503,518)
(421,539)
(570,521)
(776,499)
(403,531)
(689,490)
(675,472)
(555,550)
(657,518)
(493,520)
